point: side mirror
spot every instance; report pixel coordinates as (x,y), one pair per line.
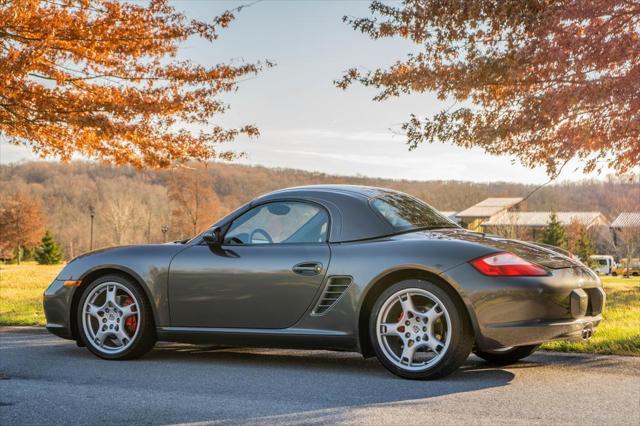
(213,238)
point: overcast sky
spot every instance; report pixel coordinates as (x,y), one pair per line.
(305,121)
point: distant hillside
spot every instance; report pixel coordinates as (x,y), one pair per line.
(132,206)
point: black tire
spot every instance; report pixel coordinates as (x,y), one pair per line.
(145,339)
(461,332)
(510,356)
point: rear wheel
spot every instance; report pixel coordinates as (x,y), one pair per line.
(507,355)
(418,331)
(114,319)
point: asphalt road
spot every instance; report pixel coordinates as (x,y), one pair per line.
(44,379)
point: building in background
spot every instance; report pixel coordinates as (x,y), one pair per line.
(506,216)
(625,223)
(530,225)
(626,235)
(475,216)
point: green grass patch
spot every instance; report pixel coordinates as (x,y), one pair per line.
(21,288)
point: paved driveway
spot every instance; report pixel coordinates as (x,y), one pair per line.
(48,380)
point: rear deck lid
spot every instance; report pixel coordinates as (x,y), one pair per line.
(526,250)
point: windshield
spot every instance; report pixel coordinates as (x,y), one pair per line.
(404,213)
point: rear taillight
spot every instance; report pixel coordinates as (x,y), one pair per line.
(507,265)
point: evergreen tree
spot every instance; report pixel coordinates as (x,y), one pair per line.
(49,252)
(585,247)
(554,234)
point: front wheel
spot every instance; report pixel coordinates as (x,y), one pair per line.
(507,355)
(418,331)
(114,319)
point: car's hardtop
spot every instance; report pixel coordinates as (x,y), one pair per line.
(360,191)
(349,206)
(353,219)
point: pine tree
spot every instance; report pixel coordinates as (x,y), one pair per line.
(585,247)
(554,234)
(49,252)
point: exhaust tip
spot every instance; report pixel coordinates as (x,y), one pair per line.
(587,333)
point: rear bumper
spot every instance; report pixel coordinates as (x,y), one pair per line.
(57,304)
(535,332)
(517,311)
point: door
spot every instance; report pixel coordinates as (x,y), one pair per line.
(265,275)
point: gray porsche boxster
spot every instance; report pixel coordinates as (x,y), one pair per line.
(335,267)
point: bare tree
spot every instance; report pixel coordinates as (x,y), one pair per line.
(125,208)
(194,203)
(628,241)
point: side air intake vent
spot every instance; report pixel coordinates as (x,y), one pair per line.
(336,286)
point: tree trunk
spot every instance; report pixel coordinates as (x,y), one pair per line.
(149,229)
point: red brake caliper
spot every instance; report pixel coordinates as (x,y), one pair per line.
(131,323)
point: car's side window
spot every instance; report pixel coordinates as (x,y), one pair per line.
(284,222)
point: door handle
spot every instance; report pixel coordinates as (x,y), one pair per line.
(308,268)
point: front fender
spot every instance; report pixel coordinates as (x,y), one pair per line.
(148,265)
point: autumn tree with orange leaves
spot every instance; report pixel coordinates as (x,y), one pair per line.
(21,224)
(545,81)
(101,78)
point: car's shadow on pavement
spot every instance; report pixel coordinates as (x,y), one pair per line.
(177,383)
(45,377)
(324,374)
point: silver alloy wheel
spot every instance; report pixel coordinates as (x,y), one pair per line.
(104,317)
(413,329)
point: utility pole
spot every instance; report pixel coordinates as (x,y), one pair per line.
(164,229)
(92,214)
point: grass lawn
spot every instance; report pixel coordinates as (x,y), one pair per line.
(21,289)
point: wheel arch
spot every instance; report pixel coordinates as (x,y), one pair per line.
(95,273)
(388,278)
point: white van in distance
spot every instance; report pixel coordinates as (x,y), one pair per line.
(604,264)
